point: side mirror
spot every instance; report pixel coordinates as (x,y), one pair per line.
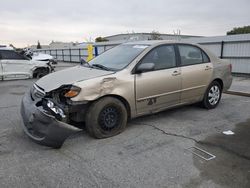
(145,67)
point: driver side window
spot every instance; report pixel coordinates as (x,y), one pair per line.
(163,57)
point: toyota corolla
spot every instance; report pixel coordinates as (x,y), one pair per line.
(127,81)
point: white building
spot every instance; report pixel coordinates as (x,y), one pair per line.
(58,44)
(145,36)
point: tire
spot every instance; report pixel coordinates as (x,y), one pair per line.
(40,75)
(212,96)
(40,72)
(106,117)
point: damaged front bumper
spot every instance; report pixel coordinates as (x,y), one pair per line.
(42,127)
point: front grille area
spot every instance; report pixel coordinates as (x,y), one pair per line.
(37,92)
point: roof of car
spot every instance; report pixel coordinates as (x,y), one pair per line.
(152,42)
(6,48)
(159,42)
(145,42)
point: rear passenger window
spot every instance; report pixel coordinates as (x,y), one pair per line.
(191,55)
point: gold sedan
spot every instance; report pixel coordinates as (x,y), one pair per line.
(125,82)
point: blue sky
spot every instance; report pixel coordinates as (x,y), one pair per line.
(23,22)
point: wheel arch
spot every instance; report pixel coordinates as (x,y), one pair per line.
(219,80)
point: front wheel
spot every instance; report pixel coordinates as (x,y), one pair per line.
(40,72)
(212,96)
(106,117)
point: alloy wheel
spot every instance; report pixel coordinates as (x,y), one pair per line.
(214,95)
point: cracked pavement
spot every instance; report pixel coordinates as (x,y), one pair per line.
(152,152)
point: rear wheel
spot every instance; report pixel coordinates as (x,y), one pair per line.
(106,117)
(212,96)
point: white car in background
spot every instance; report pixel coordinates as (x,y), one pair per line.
(37,56)
(16,66)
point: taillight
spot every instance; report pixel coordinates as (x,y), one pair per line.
(230,67)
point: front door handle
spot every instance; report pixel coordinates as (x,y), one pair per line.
(208,68)
(176,73)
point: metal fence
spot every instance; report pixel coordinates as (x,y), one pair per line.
(235,48)
(74,54)
(233,51)
(69,55)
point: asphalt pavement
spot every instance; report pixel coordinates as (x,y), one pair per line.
(240,86)
(154,151)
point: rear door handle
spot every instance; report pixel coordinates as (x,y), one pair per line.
(176,73)
(208,68)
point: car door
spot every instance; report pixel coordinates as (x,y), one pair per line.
(196,71)
(14,65)
(159,88)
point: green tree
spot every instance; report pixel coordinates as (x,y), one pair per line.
(155,35)
(38,45)
(239,30)
(101,39)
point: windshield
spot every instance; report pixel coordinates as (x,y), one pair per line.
(118,57)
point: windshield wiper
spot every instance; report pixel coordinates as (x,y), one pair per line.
(84,63)
(100,66)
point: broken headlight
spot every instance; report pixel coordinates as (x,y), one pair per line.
(56,110)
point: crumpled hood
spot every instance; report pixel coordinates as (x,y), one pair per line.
(69,76)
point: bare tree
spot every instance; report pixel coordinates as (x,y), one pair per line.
(155,35)
(38,45)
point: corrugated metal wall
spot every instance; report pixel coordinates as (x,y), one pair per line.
(234,48)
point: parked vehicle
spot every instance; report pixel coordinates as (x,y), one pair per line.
(125,82)
(16,66)
(37,56)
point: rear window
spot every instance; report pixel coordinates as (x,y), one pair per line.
(9,54)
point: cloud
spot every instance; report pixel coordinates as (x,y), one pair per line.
(26,21)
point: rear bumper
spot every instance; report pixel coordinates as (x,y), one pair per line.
(42,127)
(227,83)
